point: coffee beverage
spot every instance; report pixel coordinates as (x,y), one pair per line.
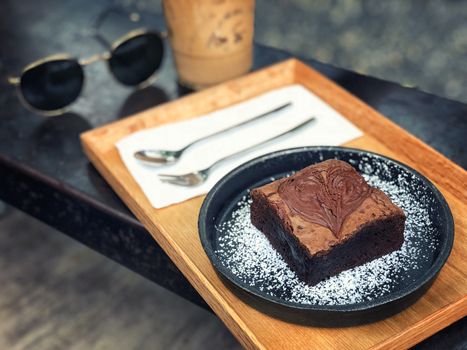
(212,40)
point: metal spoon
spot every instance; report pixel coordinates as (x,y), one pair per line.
(165,157)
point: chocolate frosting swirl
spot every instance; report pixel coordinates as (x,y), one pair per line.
(325,194)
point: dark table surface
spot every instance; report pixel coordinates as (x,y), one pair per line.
(45,173)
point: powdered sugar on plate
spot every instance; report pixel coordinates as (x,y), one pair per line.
(247,253)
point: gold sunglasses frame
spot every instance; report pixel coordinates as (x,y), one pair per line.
(105,56)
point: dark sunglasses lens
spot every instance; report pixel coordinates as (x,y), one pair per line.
(52,85)
(136,59)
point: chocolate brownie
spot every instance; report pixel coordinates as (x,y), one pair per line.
(325,219)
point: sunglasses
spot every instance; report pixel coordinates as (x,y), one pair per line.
(50,85)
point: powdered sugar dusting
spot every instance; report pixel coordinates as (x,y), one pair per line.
(248,254)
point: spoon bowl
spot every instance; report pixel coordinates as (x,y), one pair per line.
(158,157)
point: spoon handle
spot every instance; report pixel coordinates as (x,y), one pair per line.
(272,111)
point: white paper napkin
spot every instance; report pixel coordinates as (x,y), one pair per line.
(330,128)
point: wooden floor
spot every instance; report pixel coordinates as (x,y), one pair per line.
(58,294)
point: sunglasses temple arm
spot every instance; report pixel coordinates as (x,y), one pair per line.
(13,80)
(102,40)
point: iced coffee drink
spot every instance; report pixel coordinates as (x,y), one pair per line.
(212,40)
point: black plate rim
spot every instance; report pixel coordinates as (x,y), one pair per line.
(410,289)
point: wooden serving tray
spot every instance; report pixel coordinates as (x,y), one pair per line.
(175,227)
